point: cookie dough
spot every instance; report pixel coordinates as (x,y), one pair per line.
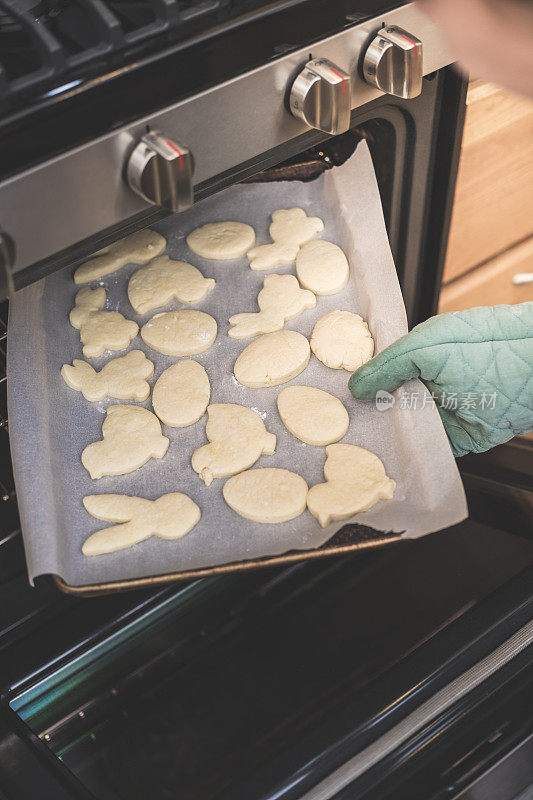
(87,301)
(171,516)
(131,435)
(137,248)
(237,437)
(355,481)
(124,378)
(312,415)
(280,299)
(292,226)
(100,330)
(181,394)
(271,255)
(272,359)
(222,240)
(164,280)
(180,333)
(322,267)
(341,340)
(266,495)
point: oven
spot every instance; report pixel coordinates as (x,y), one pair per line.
(401,671)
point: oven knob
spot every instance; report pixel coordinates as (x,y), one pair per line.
(321,96)
(160,171)
(393,62)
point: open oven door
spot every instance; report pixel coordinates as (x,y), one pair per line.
(400,673)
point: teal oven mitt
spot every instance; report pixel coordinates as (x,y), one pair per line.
(478,366)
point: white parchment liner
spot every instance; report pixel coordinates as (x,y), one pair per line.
(50,424)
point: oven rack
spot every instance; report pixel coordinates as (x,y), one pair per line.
(55,45)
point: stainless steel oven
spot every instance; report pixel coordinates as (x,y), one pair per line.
(399,672)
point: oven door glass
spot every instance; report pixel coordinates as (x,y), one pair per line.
(249,685)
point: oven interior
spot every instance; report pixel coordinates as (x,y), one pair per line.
(259,684)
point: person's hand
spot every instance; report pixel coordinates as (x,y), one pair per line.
(478,365)
(492,39)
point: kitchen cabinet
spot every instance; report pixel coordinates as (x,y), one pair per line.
(492,282)
(491,233)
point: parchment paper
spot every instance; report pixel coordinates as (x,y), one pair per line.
(50,424)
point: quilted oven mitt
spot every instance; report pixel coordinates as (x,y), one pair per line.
(478,366)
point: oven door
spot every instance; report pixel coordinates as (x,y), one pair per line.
(400,673)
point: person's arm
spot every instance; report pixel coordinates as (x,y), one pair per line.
(492,39)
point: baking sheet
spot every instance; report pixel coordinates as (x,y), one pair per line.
(50,424)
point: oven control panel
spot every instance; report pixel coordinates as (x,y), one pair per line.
(322,93)
(231,128)
(160,170)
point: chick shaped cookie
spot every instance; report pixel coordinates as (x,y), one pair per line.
(355,481)
(237,438)
(163,280)
(131,436)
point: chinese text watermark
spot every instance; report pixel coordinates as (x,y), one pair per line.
(450,401)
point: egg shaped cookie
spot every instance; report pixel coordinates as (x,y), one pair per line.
(272,359)
(181,394)
(267,494)
(222,240)
(180,333)
(322,267)
(312,415)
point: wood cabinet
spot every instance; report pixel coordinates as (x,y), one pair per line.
(493,282)
(491,234)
